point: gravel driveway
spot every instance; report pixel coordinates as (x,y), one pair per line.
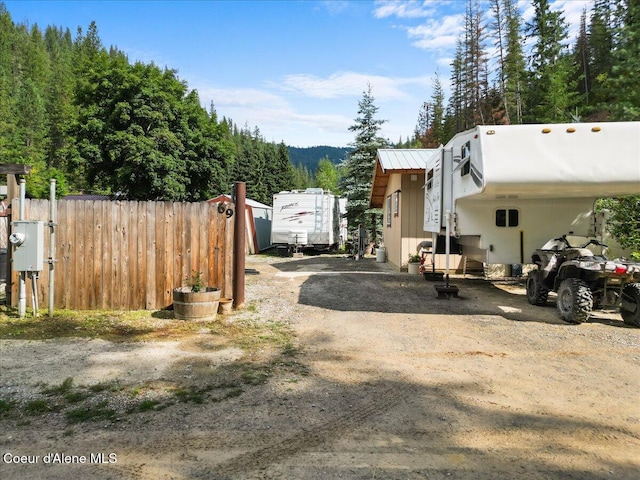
(391,383)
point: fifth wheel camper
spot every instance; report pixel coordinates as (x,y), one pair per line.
(307,219)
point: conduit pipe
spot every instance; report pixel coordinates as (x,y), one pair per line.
(22,282)
(52,242)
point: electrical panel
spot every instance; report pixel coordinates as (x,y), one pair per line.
(27,238)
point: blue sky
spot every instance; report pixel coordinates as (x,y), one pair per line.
(295,69)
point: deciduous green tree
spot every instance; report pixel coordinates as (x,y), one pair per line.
(327,175)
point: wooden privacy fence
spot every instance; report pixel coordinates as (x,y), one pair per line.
(122,255)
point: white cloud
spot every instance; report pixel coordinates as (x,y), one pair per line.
(240,97)
(401,9)
(350,84)
(335,7)
(275,116)
(437,34)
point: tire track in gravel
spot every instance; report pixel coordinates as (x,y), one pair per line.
(311,437)
(272,450)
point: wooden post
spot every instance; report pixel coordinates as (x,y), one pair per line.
(239,244)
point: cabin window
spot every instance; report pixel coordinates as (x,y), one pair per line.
(389,211)
(430,179)
(507,217)
(396,203)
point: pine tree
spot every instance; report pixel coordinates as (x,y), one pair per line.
(302,179)
(623,84)
(476,72)
(429,131)
(457,103)
(470,84)
(360,164)
(601,32)
(512,68)
(582,61)
(551,93)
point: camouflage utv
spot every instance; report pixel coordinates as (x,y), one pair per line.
(584,281)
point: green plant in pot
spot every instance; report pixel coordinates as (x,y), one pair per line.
(414,263)
(194,281)
(415,258)
(195,301)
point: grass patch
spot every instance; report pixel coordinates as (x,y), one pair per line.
(91,413)
(189,395)
(38,407)
(75,397)
(6,406)
(269,347)
(147,405)
(255,376)
(290,350)
(108,325)
(105,386)
(64,387)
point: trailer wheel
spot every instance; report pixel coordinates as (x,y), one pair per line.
(575,300)
(630,307)
(537,293)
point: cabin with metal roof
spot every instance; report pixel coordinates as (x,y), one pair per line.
(397,189)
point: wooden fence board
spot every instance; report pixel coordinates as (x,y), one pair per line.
(130,255)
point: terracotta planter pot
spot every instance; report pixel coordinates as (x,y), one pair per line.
(188,305)
(225,306)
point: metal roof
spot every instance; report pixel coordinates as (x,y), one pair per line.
(397,161)
(404,159)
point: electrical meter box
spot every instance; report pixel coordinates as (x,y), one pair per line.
(27,238)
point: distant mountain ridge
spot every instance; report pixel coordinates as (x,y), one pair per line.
(310,156)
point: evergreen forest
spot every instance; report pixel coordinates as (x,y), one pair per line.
(84,114)
(97,123)
(508,71)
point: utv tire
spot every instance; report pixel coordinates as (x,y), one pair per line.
(537,293)
(575,301)
(630,308)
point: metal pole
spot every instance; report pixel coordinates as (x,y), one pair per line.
(52,243)
(239,244)
(22,287)
(34,290)
(447,245)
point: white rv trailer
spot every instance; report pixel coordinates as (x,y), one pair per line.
(306,219)
(510,188)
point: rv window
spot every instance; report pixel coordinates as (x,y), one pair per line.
(513,218)
(507,218)
(389,211)
(465,151)
(466,168)
(430,179)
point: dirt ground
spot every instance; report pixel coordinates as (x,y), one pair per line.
(390,383)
